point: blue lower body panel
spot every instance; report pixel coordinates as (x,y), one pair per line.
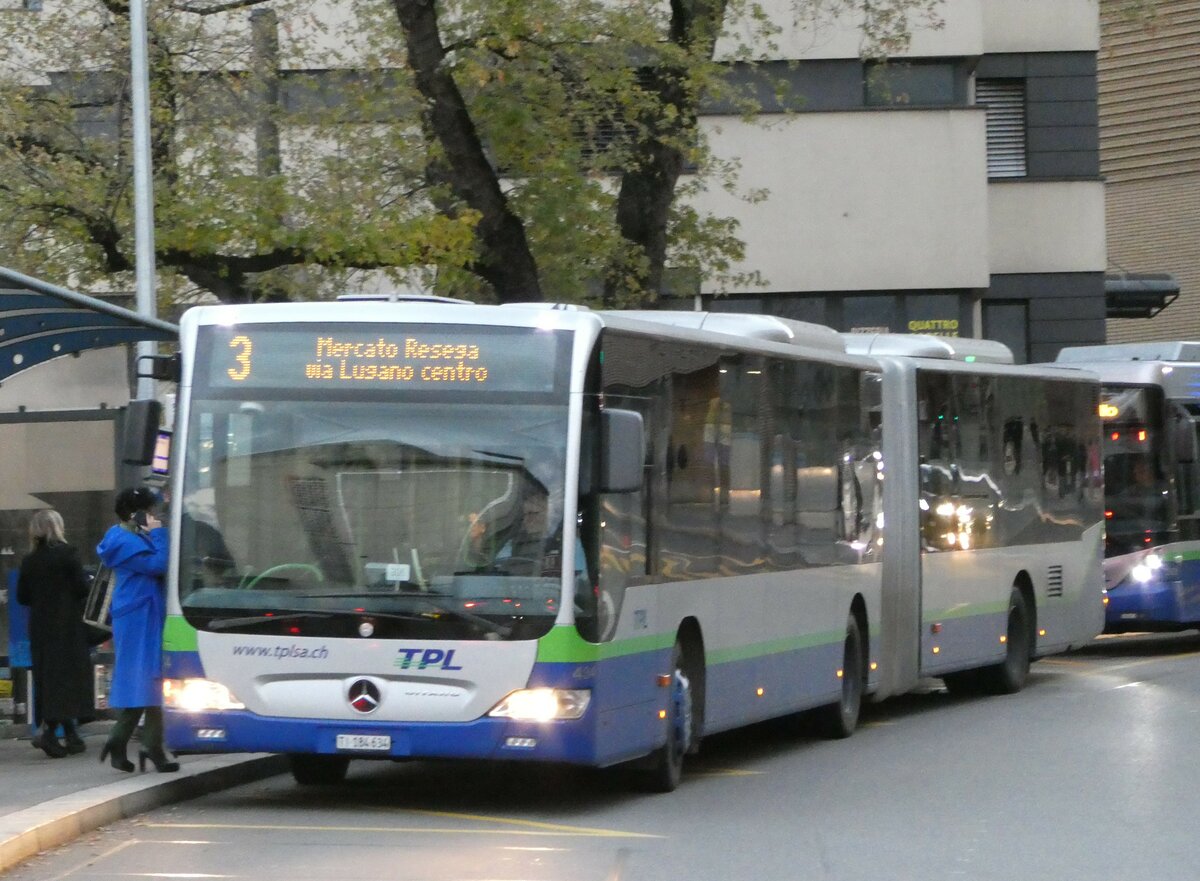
(622,722)
(625,719)
(1152,605)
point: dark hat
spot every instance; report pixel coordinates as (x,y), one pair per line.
(133,499)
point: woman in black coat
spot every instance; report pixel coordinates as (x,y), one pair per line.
(52,583)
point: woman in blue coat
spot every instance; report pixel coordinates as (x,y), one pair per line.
(136,550)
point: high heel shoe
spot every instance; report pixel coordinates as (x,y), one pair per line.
(159,759)
(118,759)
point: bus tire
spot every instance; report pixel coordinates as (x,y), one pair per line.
(319,770)
(840,718)
(1008,677)
(664,768)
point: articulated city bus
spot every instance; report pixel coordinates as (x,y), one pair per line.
(1150,408)
(432,529)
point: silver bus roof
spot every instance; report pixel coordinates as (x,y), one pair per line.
(914,345)
(744,325)
(1160,350)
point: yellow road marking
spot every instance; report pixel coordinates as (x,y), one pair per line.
(723,772)
(554,828)
(547,829)
(1142,661)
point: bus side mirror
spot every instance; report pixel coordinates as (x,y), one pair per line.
(622,438)
(139,436)
(167,368)
(1183,440)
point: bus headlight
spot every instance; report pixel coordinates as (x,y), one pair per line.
(543,704)
(1155,566)
(197,695)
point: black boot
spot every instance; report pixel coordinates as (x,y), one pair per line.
(71,738)
(48,742)
(152,743)
(118,739)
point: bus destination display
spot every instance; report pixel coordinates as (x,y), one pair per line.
(343,356)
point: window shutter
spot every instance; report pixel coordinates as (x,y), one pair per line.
(1005,103)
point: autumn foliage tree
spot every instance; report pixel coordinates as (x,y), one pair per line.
(501,150)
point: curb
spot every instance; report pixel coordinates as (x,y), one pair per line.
(25,833)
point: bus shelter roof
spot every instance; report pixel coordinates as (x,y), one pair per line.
(40,321)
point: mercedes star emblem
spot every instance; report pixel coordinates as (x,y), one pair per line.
(364,696)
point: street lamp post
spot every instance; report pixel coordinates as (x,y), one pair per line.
(143,192)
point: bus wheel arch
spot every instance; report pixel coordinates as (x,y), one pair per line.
(1024,584)
(1009,676)
(840,718)
(858,608)
(661,771)
(690,638)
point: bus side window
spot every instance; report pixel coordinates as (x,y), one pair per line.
(1185,450)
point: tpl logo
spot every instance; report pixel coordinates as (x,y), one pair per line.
(423,659)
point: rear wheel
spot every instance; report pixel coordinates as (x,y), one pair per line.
(1008,677)
(319,770)
(840,718)
(665,767)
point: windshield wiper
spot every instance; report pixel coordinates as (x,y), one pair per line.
(414,591)
(497,455)
(501,630)
(232,623)
(426,598)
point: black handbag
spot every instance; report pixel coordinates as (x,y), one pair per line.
(97,611)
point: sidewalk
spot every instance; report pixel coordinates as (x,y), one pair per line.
(47,802)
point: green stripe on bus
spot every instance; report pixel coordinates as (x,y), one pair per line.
(966,611)
(178,635)
(565,645)
(773,647)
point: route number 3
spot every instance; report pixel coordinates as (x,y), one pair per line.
(237,374)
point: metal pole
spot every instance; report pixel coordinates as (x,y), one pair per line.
(143,193)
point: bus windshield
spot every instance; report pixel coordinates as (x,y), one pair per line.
(311,515)
(1138,502)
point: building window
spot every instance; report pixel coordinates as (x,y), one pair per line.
(1007,321)
(1005,103)
(869,314)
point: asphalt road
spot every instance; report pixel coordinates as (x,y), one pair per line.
(1090,773)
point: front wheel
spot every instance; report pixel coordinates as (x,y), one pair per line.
(319,770)
(839,719)
(665,768)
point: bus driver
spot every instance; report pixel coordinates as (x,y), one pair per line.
(521,545)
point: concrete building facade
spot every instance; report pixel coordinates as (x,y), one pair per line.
(957,190)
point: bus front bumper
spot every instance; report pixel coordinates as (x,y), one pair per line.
(233,731)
